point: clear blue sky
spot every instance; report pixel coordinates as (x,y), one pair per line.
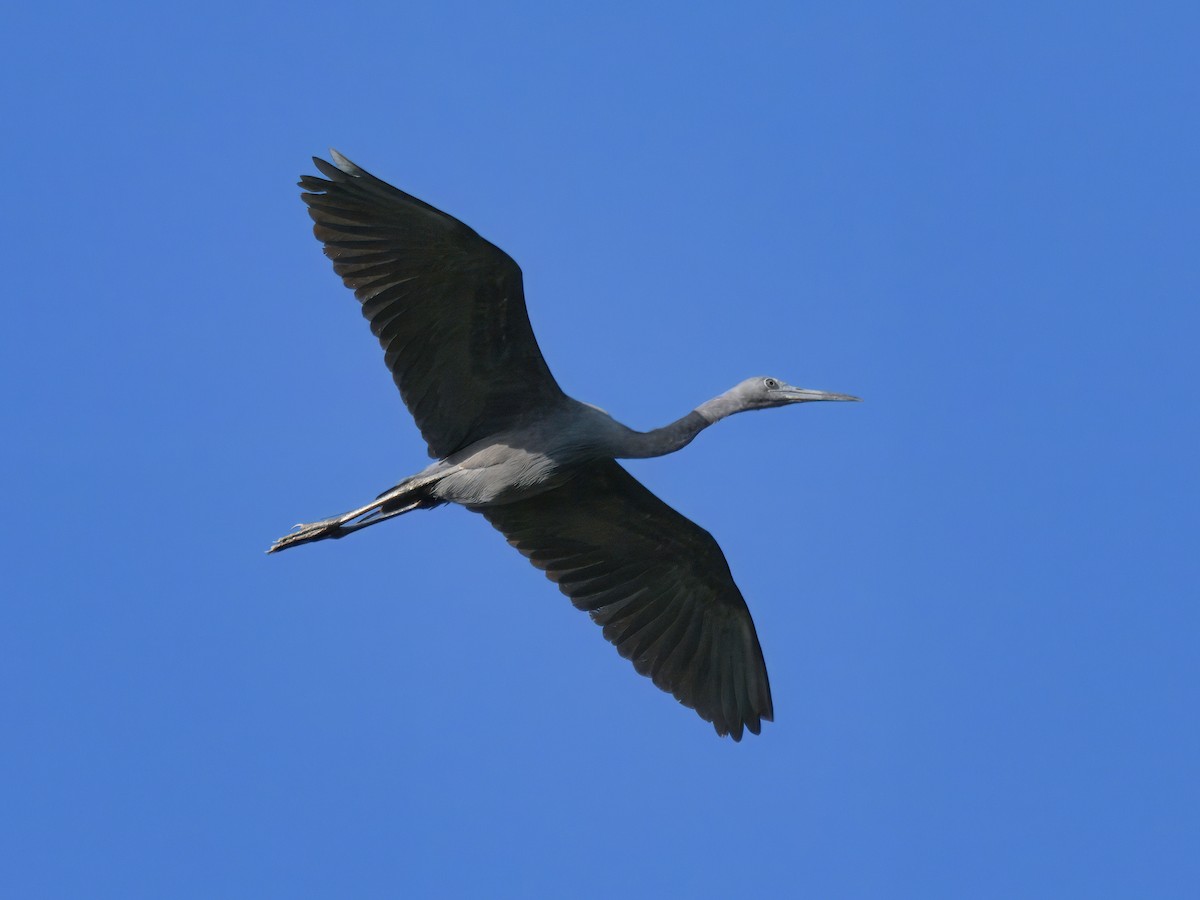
(977,591)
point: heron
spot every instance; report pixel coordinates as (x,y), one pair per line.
(448,308)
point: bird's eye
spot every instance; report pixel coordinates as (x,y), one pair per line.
(770,383)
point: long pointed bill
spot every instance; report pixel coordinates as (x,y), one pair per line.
(804,395)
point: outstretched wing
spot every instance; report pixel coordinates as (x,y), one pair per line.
(658,584)
(447,306)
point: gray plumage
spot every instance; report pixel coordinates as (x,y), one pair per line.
(449,311)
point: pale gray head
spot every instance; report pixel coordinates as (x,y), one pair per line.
(763,392)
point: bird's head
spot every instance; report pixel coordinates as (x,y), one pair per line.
(763,392)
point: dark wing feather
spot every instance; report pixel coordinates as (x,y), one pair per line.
(447,306)
(657,583)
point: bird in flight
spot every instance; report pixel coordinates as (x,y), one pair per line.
(448,309)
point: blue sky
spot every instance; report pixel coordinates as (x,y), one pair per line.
(976,591)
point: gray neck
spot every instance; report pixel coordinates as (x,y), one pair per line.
(669,438)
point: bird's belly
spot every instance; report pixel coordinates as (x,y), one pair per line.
(499,474)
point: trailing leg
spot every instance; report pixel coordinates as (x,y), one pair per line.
(405,497)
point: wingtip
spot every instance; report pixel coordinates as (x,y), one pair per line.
(344,164)
(736,729)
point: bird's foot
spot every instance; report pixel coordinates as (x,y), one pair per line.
(307,533)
